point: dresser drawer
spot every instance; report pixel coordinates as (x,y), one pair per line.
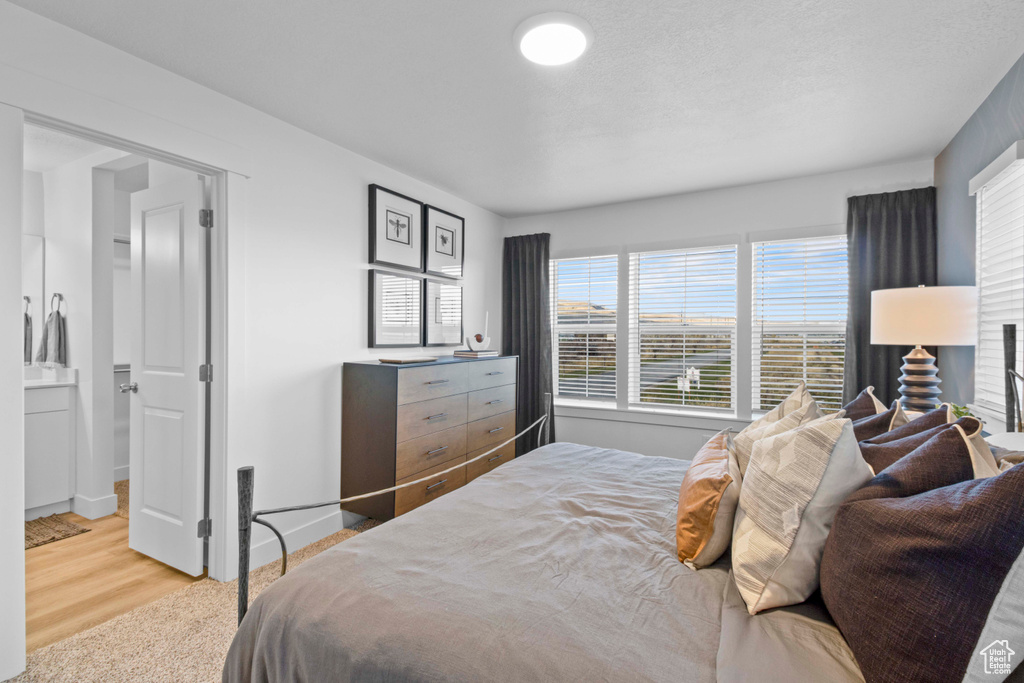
(485,465)
(427,417)
(490,431)
(485,374)
(422,453)
(431,381)
(435,487)
(489,402)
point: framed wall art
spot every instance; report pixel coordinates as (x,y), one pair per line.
(396,310)
(442,313)
(396,231)
(444,242)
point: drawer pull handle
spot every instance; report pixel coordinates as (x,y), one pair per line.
(434,486)
(437,417)
(442,449)
(498,400)
(494,458)
(496,429)
(496,372)
(439,381)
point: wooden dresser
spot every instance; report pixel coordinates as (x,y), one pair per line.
(401,423)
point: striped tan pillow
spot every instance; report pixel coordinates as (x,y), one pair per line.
(795,482)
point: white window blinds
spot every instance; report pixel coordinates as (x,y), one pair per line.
(682,326)
(799,320)
(1000,277)
(584,295)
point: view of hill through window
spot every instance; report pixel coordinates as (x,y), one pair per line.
(681,347)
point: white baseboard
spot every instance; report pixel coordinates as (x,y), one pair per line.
(269,549)
(94,508)
(121,473)
(47,510)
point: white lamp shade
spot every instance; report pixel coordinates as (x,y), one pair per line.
(929,316)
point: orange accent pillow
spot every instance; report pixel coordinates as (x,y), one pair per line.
(707,504)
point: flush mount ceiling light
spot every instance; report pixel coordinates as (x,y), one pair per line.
(553,38)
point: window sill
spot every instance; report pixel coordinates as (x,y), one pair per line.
(993,423)
(611,413)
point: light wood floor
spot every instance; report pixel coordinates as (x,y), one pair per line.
(77,583)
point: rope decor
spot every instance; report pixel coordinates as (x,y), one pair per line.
(247,517)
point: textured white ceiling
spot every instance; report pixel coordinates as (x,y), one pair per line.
(671,97)
(46,149)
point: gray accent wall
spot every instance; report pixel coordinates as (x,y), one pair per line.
(998,123)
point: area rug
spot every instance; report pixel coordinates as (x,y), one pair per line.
(49,529)
(180,638)
(121,489)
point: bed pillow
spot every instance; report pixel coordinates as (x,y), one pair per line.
(925,421)
(881,452)
(791,490)
(880,423)
(923,570)
(797,408)
(864,405)
(707,504)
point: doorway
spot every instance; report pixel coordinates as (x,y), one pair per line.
(126,271)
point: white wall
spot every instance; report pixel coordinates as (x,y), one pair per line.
(33,249)
(12,402)
(32,204)
(72,253)
(295,267)
(775,210)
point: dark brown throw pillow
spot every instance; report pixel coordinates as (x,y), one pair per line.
(882,451)
(864,405)
(874,425)
(920,570)
(933,418)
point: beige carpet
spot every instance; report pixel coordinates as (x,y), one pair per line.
(49,529)
(180,638)
(121,489)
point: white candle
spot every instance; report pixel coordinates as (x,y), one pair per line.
(487,320)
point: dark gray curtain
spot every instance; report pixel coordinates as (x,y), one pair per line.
(526,329)
(892,243)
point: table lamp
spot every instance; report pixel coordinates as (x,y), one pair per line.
(923,316)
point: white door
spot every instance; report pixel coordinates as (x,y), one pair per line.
(167,426)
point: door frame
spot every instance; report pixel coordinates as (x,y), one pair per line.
(227,196)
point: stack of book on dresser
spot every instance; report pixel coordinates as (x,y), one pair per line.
(466,353)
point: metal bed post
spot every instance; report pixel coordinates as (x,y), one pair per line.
(1009,361)
(550,418)
(245,487)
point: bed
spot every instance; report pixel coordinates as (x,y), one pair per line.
(560,565)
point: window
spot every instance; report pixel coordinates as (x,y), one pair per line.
(682,328)
(583,311)
(799,320)
(1000,277)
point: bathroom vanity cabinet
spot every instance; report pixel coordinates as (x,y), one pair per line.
(49,449)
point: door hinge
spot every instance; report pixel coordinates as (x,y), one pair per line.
(205,529)
(206,373)
(206,218)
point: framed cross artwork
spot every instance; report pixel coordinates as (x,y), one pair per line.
(444,242)
(396,314)
(442,313)
(396,231)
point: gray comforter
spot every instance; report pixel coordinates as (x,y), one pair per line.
(559,566)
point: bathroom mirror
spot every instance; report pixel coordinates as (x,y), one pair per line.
(32,265)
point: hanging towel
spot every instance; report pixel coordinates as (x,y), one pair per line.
(28,339)
(53,347)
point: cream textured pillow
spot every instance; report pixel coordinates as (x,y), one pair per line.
(793,485)
(707,504)
(798,408)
